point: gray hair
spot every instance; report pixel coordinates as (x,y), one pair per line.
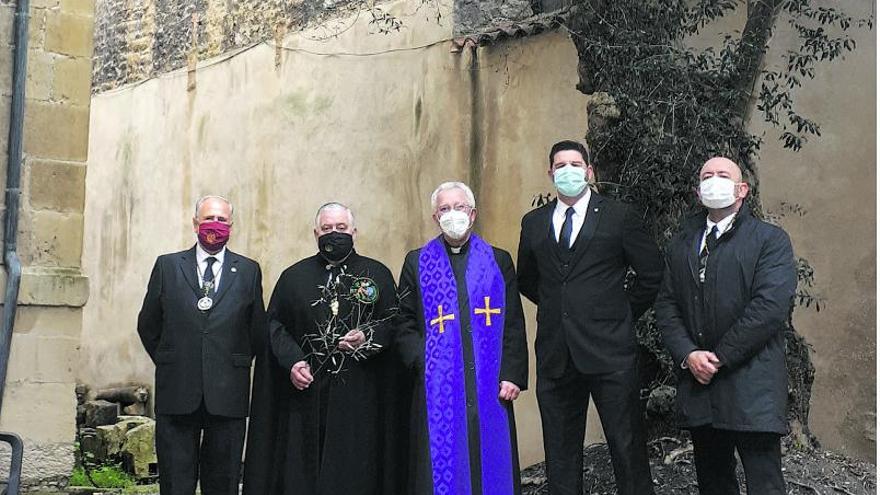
(212,196)
(333,205)
(453,185)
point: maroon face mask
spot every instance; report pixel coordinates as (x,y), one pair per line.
(213,235)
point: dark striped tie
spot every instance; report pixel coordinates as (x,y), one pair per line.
(708,247)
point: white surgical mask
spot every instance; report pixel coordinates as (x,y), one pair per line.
(455,224)
(717,192)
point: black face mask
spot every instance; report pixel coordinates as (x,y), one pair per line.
(335,246)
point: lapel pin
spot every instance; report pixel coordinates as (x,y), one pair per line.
(596,210)
(234,269)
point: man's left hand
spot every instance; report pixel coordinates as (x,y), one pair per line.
(509,391)
(352,340)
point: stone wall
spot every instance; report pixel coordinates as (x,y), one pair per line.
(137,39)
(39,402)
(474,15)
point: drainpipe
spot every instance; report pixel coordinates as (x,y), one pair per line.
(12,264)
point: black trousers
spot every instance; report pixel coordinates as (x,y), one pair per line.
(760,454)
(563,404)
(199,446)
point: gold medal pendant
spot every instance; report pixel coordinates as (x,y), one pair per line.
(205,303)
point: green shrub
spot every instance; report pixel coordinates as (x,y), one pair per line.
(111,476)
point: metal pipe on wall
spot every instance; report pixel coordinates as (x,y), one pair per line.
(13,188)
(12,263)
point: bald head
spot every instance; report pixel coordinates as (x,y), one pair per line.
(721,167)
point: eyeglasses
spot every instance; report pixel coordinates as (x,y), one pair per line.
(459,207)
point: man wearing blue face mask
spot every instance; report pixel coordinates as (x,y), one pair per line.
(574,254)
(726,295)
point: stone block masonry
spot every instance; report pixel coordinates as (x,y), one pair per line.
(39,402)
(138,39)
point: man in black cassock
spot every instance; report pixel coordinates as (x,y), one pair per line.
(324,416)
(462,333)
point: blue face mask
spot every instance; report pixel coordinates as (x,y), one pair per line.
(570,180)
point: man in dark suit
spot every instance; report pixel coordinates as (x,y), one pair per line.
(202,321)
(726,296)
(574,254)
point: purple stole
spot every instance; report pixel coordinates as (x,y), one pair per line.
(444,370)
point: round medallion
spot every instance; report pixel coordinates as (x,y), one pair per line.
(364,290)
(205,303)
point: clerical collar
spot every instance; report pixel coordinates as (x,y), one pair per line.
(456,249)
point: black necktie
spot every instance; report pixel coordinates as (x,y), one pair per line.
(565,234)
(208,276)
(708,247)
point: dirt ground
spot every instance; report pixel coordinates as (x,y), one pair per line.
(807,472)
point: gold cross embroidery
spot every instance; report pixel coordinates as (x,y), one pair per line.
(488,311)
(441,318)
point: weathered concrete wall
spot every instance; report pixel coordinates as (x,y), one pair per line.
(39,402)
(347,119)
(834,180)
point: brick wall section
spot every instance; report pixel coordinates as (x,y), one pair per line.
(40,403)
(138,39)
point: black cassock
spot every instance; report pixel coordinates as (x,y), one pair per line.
(342,434)
(411,345)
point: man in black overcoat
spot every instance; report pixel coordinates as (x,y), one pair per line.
(574,254)
(326,410)
(202,322)
(722,309)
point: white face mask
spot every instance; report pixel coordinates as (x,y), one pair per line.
(455,224)
(717,192)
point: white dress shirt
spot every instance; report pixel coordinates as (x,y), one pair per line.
(577,220)
(202,264)
(723,226)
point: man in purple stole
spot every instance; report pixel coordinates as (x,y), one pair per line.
(462,333)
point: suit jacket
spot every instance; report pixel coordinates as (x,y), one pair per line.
(203,355)
(585,309)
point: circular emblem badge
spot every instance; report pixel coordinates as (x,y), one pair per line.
(364,291)
(205,303)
